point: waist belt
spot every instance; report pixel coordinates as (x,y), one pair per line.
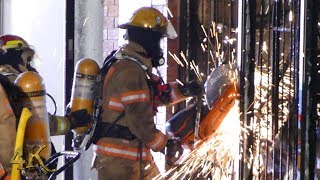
(115,131)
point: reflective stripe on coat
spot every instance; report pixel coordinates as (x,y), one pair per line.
(121,151)
(2,172)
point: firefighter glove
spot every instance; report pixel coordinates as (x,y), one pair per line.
(191,88)
(79,118)
(173,151)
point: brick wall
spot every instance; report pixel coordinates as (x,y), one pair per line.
(110,30)
(111,19)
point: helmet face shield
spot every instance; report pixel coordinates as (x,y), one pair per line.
(171,32)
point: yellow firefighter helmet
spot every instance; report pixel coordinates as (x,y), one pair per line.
(151,18)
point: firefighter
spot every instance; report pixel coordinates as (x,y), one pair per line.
(15,58)
(130,96)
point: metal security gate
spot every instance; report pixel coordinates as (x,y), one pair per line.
(276,46)
(278,90)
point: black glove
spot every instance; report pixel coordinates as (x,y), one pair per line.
(79,118)
(191,88)
(173,151)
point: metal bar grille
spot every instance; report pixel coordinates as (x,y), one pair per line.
(278,86)
(280,123)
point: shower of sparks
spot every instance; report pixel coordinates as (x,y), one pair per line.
(211,32)
(290,16)
(175,57)
(184,58)
(265,47)
(178,81)
(204,31)
(214,157)
(261,124)
(217,157)
(203,48)
(169,12)
(195,68)
(213,44)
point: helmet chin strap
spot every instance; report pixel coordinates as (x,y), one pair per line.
(159,74)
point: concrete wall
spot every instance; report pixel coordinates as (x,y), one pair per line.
(88,29)
(88,44)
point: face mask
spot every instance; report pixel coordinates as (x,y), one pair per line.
(12,58)
(150,41)
(156,56)
(15,60)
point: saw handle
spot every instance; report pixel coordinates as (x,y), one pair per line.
(197,120)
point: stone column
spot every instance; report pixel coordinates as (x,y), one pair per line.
(88,44)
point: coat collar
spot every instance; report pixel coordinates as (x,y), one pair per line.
(134,49)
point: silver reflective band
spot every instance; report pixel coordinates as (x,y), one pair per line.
(133,97)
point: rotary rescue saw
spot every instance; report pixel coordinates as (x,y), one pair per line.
(221,92)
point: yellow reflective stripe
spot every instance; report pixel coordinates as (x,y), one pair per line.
(115,104)
(121,151)
(14,44)
(6,103)
(135,96)
(175,94)
(2,171)
(62,125)
(109,74)
(158,142)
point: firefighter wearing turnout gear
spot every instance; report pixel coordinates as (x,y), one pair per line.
(15,59)
(130,96)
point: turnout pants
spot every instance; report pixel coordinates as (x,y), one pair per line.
(114,168)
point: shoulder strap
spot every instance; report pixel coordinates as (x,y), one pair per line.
(120,55)
(8,86)
(95,128)
(110,59)
(12,92)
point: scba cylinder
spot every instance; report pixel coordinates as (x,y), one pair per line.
(33,95)
(82,96)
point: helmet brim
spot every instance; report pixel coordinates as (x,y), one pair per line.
(167,31)
(124,26)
